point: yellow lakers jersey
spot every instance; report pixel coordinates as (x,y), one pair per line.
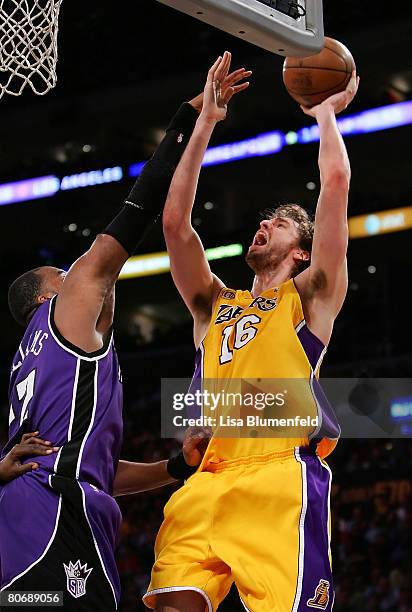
(260,348)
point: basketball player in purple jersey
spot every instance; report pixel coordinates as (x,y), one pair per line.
(58,523)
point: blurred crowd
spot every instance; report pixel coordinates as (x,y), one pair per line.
(372,525)
(371,518)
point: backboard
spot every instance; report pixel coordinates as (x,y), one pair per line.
(264,23)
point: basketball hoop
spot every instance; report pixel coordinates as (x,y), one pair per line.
(28,45)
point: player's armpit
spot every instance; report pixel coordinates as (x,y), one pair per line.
(87,285)
(105,320)
(321,303)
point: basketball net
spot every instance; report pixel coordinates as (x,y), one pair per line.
(28,45)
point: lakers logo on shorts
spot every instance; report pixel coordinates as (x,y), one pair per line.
(321,597)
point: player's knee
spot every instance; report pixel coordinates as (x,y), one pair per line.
(180,601)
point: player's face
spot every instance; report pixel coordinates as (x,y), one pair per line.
(275,240)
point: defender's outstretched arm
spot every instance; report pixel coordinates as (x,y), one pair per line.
(84,307)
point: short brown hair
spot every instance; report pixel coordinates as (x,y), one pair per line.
(305,227)
(23,294)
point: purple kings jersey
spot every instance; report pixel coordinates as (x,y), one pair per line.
(74,399)
(63,515)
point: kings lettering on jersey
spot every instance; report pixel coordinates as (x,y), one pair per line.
(72,398)
(33,345)
(264,343)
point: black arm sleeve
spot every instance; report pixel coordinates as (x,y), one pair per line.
(145,202)
(178,468)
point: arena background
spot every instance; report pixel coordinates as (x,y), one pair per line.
(121,75)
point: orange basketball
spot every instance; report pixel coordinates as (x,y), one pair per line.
(310,80)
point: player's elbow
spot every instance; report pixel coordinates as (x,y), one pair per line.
(105,257)
(174,225)
(102,248)
(170,222)
(337,178)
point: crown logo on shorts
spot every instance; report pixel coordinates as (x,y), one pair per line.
(77,574)
(321,598)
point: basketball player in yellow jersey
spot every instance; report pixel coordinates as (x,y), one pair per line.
(257,511)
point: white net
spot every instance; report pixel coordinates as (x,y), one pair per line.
(28,45)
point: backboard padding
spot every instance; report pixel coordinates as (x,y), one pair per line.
(260,24)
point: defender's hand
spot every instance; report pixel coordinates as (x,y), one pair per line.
(338,102)
(218,93)
(11,466)
(195,443)
(231,80)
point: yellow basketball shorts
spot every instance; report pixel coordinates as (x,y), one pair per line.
(262,522)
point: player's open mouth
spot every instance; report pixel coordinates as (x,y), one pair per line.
(260,239)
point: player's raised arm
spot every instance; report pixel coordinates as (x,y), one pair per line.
(189,266)
(323,285)
(84,307)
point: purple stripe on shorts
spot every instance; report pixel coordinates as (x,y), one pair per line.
(316,587)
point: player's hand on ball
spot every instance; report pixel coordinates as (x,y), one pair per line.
(30,445)
(195,443)
(221,87)
(338,102)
